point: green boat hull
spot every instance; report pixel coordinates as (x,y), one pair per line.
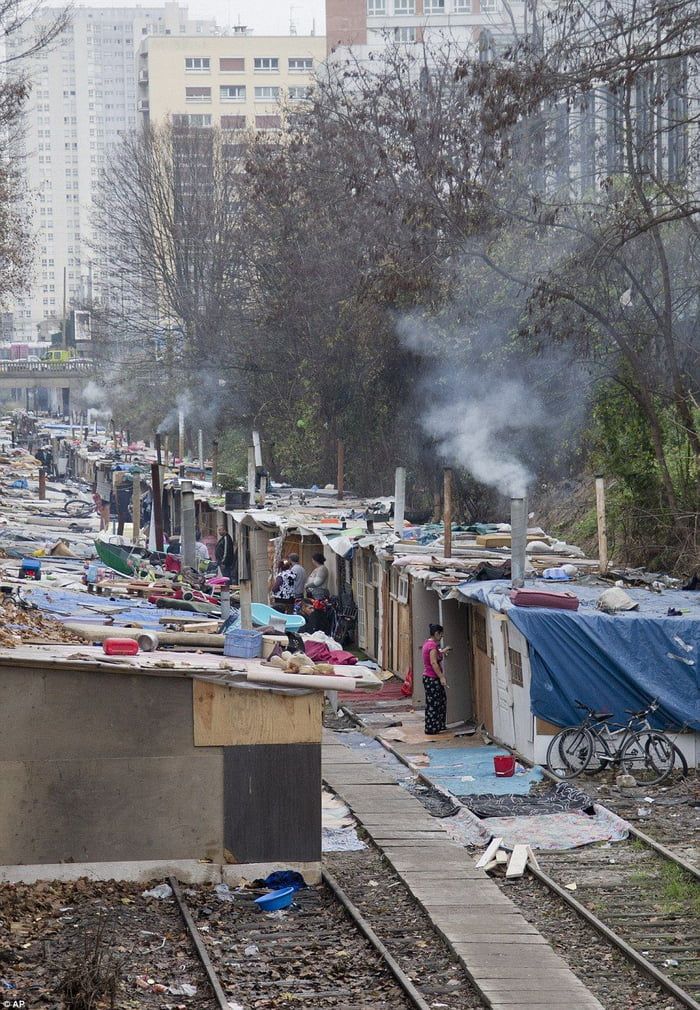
(117,557)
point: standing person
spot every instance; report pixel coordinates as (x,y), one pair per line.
(299,576)
(201,551)
(103,488)
(317,582)
(282,590)
(434,682)
(225,554)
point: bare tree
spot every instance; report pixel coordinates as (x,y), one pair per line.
(167,221)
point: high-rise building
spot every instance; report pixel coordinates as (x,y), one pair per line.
(237,82)
(83,99)
(368,25)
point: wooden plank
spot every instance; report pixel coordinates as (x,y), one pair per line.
(517,863)
(532,859)
(232,717)
(490,852)
(494,939)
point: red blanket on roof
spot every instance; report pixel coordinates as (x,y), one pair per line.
(320,653)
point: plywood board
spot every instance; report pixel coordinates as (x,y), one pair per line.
(272,803)
(232,717)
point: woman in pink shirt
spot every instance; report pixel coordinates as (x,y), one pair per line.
(434,682)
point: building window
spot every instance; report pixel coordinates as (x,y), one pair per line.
(488,6)
(462,6)
(198,64)
(434,6)
(404,6)
(299,94)
(232,92)
(404,34)
(232,65)
(198,94)
(233,123)
(267,94)
(299,64)
(267,63)
(192,120)
(516,667)
(376,7)
(268,122)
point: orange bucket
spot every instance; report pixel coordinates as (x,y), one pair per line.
(504,765)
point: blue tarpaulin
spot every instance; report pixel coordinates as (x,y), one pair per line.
(612,662)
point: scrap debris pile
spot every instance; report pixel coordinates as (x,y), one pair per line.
(21,624)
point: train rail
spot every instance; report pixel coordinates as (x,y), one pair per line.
(325,952)
(640,896)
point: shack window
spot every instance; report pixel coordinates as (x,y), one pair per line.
(516,667)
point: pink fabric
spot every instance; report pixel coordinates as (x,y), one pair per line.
(428,645)
(320,653)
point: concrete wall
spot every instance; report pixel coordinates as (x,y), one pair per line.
(102,767)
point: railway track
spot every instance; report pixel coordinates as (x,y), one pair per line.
(640,896)
(324,953)
(645,903)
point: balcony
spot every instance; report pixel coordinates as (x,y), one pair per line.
(142,105)
(143,77)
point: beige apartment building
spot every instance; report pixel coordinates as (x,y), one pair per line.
(234,81)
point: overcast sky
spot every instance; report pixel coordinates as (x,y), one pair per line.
(265,17)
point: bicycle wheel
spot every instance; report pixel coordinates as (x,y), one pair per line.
(569,752)
(78,509)
(649,756)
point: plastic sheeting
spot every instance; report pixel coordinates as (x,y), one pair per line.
(611,662)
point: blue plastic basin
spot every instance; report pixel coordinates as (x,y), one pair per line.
(261,614)
(281,898)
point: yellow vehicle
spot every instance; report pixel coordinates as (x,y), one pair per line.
(58,355)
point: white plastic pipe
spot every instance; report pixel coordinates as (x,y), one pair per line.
(318,682)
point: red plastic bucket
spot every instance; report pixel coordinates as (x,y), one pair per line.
(504,765)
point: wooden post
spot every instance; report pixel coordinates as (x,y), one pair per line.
(136,510)
(251,475)
(245,589)
(157,505)
(159,458)
(447,510)
(258,448)
(215,465)
(602,528)
(42,484)
(399,500)
(167,447)
(340,484)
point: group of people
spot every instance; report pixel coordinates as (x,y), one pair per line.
(292,583)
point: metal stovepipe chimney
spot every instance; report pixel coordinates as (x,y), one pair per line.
(518,540)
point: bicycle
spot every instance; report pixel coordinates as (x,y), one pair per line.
(79,508)
(644,753)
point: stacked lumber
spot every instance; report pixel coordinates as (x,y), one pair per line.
(515,863)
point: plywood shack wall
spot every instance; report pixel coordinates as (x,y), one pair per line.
(481,666)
